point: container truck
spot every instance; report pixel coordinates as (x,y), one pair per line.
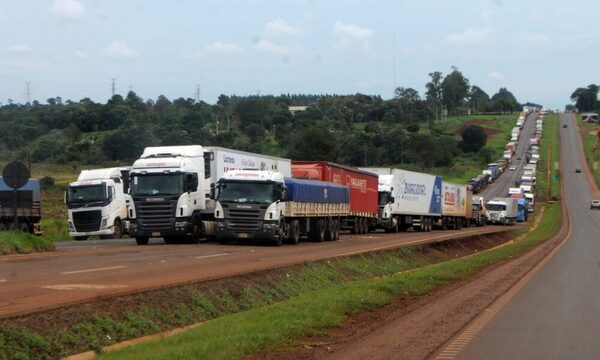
(502,211)
(172,189)
(521,209)
(457,206)
(265,205)
(29,211)
(407,199)
(530,198)
(363,190)
(478,216)
(97,203)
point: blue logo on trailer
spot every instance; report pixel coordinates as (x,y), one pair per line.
(435,206)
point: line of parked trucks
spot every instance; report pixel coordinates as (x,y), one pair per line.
(193,192)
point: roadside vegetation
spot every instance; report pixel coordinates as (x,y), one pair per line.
(548,173)
(590,135)
(14,242)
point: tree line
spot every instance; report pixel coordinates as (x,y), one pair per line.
(357,129)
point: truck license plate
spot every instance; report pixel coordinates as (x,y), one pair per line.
(243,235)
(156,234)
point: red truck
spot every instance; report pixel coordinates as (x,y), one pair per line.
(363,190)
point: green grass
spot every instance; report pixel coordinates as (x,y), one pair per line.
(591,145)
(13,242)
(548,176)
(309,314)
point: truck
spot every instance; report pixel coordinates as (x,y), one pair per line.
(264,205)
(521,210)
(29,213)
(530,198)
(173,189)
(502,211)
(478,216)
(511,146)
(457,206)
(363,186)
(407,199)
(494,169)
(97,203)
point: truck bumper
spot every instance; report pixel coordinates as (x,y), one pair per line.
(180,228)
(267,232)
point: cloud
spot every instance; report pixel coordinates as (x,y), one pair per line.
(223,48)
(279,28)
(350,36)
(20,49)
(81,54)
(471,36)
(67,10)
(119,50)
(494,75)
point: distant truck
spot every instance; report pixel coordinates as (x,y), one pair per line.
(502,211)
(29,213)
(173,189)
(407,199)
(521,209)
(97,203)
(457,206)
(265,205)
(478,216)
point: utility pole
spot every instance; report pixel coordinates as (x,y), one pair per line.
(197,98)
(394,61)
(112,86)
(28,91)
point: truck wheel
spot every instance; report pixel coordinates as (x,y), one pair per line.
(80,238)
(319,231)
(329,230)
(23,227)
(355,226)
(365,223)
(336,230)
(294,237)
(142,240)
(117,231)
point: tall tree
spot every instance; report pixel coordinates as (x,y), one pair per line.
(455,89)
(586,99)
(504,101)
(433,94)
(478,99)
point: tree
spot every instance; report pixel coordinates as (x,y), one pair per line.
(586,99)
(314,143)
(433,95)
(504,101)
(478,99)
(473,138)
(455,89)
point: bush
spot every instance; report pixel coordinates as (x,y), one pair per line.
(46,182)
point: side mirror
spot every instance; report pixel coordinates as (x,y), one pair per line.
(213,191)
(392,200)
(191,182)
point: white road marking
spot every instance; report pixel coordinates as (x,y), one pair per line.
(82,287)
(210,256)
(92,270)
(3,280)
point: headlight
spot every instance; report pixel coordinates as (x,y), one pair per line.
(71,226)
(181,224)
(103,223)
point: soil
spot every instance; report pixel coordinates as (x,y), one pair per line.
(415,327)
(488,131)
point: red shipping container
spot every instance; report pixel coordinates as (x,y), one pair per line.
(363,184)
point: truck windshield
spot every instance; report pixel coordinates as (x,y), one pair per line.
(86,194)
(496,207)
(156,184)
(384,197)
(246,192)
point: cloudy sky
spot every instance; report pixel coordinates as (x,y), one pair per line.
(541,50)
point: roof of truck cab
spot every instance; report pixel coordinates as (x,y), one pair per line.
(97,174)
(173,151)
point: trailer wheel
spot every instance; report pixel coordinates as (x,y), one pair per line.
(80,238)
(336,230)
(329,230)
(294,237)
(142,240)
(355,227)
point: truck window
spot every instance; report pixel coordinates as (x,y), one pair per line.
(208,157)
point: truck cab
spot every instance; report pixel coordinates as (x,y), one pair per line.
(250,205)
(97,203)
(385,201)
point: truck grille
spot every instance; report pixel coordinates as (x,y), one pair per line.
(155,215)
(86,221)
(240,220)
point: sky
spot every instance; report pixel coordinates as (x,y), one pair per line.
(541,50)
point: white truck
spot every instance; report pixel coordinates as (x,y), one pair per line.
(502,211)
(407,199)
(97,203)
(254,205)
(478,215)
(172,189)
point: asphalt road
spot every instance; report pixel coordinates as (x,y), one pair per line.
(499,188)
(84,271)
(557,314)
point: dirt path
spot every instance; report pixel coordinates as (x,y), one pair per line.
(413,328)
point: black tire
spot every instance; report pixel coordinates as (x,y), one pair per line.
(80,238)
(329,230)
(319,231)
(336,230)
(355,226)
(23,227)
(142,240)
(294,237)
(365,225)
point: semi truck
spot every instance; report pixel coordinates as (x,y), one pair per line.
(265,205)
(502,211)
(407,200)
(363,186)
(478,216)
(29,213)
(521,209)
(457,206)
(97,203)
(173,189)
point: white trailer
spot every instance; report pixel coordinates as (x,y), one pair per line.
(407,199)
(457,206)
(97,203)
(502,211)
(172,189)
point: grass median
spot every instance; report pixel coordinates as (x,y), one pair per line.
(591,146)
(14,242)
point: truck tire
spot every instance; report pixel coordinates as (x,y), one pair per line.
(365,223)
(23,227)
(117,231)
(142,240)
(355,226)
(80,238)
(329,231)
(336,230)
(294,237)
(318,232)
